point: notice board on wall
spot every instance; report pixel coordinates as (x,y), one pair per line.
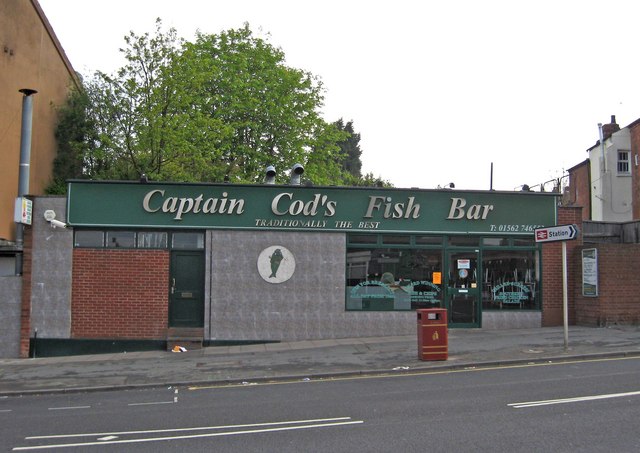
(590,272)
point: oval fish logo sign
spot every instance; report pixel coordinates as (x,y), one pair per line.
(276,264)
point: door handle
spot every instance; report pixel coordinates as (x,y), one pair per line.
(173,285)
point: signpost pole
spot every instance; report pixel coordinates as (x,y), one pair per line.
(565,302)
(562,233)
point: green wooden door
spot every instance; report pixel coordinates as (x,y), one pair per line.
(186,293)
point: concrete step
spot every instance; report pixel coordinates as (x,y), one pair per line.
(188,338)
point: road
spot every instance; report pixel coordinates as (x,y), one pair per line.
(586,406)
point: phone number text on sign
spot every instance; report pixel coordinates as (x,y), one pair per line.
(515,228)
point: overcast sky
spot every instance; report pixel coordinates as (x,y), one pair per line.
(438,90)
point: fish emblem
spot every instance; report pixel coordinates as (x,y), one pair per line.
(276,258)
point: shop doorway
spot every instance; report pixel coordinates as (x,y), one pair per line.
(186,290)
(462,298)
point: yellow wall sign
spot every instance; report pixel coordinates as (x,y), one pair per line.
(23,210)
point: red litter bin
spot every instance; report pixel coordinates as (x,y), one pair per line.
(433,341)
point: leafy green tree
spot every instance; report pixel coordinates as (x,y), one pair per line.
(75,136)
(144,125)
(369,180)
(350,147)
(222,107)
(351,163)
(324,163)
(271,109)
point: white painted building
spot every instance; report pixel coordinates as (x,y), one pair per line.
(611,180)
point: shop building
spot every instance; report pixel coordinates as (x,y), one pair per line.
(142,264)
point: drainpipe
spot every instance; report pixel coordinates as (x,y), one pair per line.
(604,157)
(25,159)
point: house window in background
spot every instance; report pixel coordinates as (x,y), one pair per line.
(623,163)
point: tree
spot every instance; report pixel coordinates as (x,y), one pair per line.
(350,148)
(144,125)
(350,158)
(75,137)
(272,109)
(324,163)
(369,180)
(225,105)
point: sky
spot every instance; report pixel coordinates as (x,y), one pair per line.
(481,94)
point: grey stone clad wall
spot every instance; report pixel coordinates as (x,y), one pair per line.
(10,294)
(51,271)
(511,320)
(240,305)
(50,282)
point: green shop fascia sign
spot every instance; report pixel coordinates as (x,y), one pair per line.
(279,207)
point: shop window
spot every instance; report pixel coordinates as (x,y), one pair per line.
(510,280)
(429,240)
(385,279)
(495,242)
(152,240)
(191,241)
(396,239)
(88,238)
(470,241)
(136,239)
(524,242)
(121,239)
(363,239)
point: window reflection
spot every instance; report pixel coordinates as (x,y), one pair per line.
(393,279)
(88,238)
(118,238)
(152,240)
(188,241)
(510,280)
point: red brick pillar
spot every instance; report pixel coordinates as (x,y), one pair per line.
(552,271)
(25,307)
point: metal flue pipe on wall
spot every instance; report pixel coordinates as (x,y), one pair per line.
(25,162)
(296,172)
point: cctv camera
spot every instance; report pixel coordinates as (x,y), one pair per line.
(57,224)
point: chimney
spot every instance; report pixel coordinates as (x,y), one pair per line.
(609,129)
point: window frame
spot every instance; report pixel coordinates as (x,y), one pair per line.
(624,162)
(513,245)
(166,244)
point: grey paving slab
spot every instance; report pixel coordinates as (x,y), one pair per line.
(309,359)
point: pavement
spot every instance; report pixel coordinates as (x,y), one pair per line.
(310,360)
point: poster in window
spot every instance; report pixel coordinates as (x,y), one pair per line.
(590,272)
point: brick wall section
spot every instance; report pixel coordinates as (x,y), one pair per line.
(552,313)
(120,294)
(618,300)
(580,189)
(25,308)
